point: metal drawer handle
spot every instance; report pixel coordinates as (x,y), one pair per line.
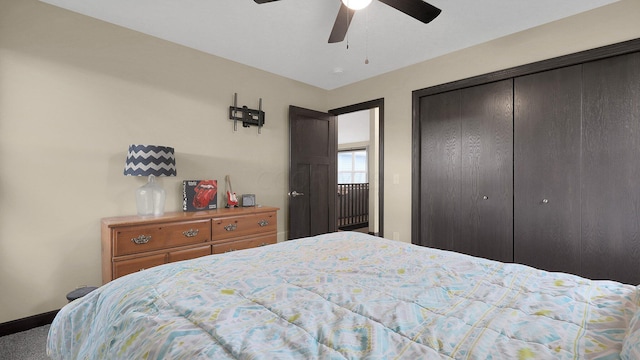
(142,239)
(263,223)
(191,232)
(230,227)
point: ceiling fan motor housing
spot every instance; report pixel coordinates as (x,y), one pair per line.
(417,9)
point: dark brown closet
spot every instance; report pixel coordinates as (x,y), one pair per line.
(467,173)
(538,164)
(611,169)
(547,138)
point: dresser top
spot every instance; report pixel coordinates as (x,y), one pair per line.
(185,215)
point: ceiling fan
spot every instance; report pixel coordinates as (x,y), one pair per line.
(417,9)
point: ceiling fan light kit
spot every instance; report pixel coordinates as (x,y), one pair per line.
(356,4)
(417,9)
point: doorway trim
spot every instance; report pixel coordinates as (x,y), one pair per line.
(368,105)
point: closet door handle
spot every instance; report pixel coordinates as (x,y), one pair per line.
(545,201)
(485,197)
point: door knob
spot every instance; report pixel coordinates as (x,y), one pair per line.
(295,193)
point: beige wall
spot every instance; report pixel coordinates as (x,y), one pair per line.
(75,92)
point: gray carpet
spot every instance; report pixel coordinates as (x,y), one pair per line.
(26,345)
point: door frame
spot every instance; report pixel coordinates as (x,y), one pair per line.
(369,105)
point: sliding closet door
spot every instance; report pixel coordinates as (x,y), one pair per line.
(466,170)
(487,171)
(440,170)
(547,118)
(611,169)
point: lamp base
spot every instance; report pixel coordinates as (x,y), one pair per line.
(150,198)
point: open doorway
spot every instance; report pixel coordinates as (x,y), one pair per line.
(360,167)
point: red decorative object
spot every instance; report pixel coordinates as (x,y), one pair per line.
(200,195)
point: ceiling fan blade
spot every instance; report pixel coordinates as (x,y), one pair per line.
(417,9)
(341,25)
(264,1)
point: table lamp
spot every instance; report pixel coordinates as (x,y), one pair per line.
(151,161)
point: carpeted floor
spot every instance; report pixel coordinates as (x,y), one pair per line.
(26,345)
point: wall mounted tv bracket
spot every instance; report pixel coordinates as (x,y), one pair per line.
(247,116)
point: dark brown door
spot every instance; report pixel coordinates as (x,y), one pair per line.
(611,169)
(547,122)
(312,173)
(486,113)
(467,171)
(440,171)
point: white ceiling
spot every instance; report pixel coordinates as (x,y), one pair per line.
(289,37)
(354,127)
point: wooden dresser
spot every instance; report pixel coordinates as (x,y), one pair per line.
(134,243)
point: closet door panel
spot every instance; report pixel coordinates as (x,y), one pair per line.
(547,120)
(487,171)
(611,169)
(440,170)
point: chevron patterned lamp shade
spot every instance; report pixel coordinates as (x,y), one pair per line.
(151,161)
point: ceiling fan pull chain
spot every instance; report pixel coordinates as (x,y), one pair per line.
(347,21)
(366,37)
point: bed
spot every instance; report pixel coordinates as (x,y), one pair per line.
(349,295)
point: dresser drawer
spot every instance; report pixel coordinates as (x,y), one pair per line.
(125,267)
(187,254)
(137,239)
(244,244)
(243,225)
